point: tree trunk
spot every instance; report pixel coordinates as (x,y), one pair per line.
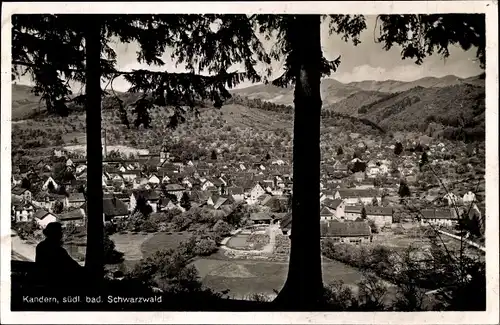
(304,286)
(95,228)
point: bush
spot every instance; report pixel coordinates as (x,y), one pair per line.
(111,255)
(222,228)
(149,226)
(373,227)
(205,247)
(160,217)
(110,228)
(26,230)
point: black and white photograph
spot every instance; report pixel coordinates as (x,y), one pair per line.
(327,157)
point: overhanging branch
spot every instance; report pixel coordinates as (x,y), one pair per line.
(116,73)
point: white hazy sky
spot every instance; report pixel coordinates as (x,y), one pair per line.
(367,61)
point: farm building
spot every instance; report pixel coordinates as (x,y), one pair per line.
(353,196)
(381,216)
(439,217)
(346,232)
(261,217)
(75,200)
(76,217)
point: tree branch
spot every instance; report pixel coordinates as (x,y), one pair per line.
(117,73)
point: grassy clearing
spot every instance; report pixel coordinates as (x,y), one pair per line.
(130,244)
(163,240)
(245,277)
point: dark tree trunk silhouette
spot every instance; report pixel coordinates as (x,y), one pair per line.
(95,228)
(304,285)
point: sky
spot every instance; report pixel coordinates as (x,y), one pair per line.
(367,61)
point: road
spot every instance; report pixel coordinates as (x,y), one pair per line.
(21,249)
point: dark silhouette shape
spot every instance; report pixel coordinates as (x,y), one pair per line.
(424,159)
(398,148)
(57,268)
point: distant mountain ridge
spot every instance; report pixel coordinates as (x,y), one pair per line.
(334,91)
(454,104)
(392,104)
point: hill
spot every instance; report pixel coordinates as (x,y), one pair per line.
(393,86)
(24,102)
(352,103)
(333,91)
(457,106)
(449,102)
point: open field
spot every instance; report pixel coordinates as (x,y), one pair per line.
(241,116)
(130,244)
(403,241)
(245,277)
(163,240)
(82,148)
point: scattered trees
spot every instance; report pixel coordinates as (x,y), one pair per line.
(398,148)
(185,201)
(424,159)
(111,255)
(26,230)
(404,190)
(25,183)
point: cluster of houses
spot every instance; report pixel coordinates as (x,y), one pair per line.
(157,178)
(162,181)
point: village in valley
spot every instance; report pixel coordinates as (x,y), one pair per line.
(376,189)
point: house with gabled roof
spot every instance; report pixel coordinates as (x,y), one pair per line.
(48,181)
(365,184)
(355,196)
(60,152)
(200,197)
(264,199)
(175,189)
(439,217)
(22,193)
(223,201)
(346,232)
(131,175)
(22,211)
(256,191)
(16,180)
(151,197)
(469,197)
(326,194)
(43,218)
(335,207)
(140,182)
(153,179)
(352,212)
(75,200)
(236,193)
(206,185)
(381,216)
(75,217)
(261,217)
(451,198)
(326,214)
